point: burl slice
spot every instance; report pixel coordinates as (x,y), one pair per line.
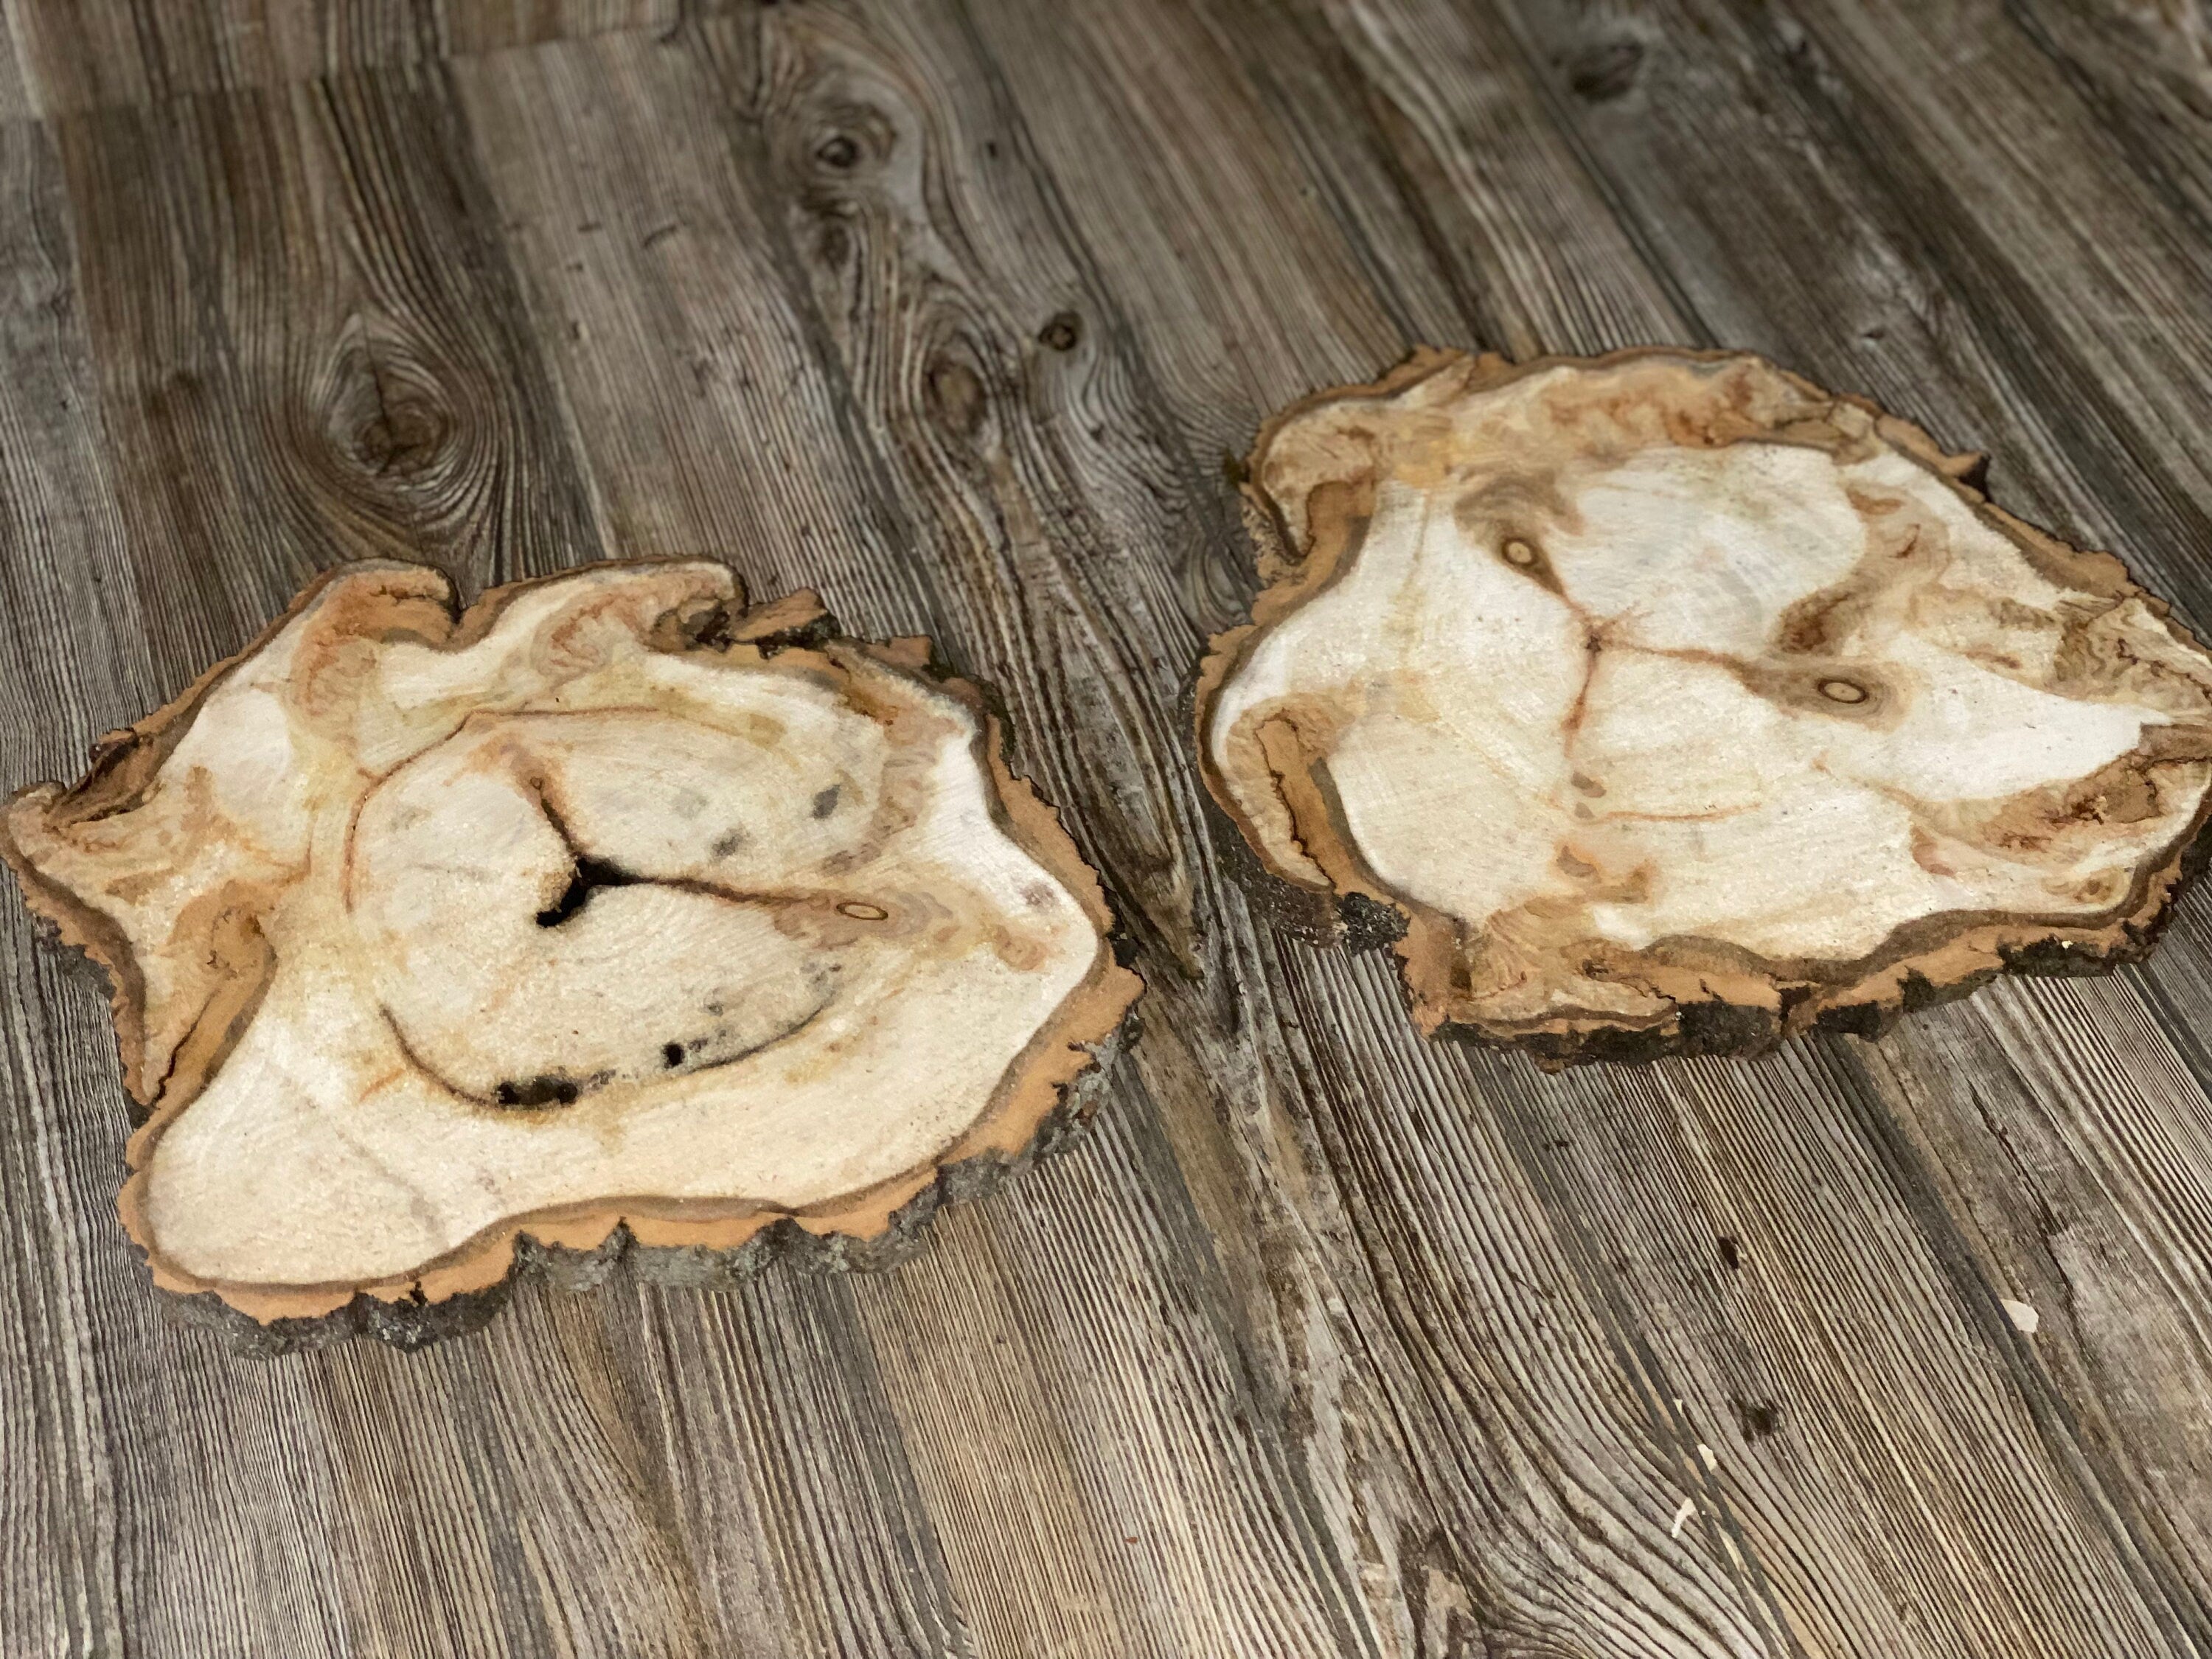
(605,905)
(1676,704)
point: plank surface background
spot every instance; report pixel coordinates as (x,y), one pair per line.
(1321,1340)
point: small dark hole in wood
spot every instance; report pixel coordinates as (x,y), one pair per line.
(1603,73)
(671,1054)
(1730,1256)
(1063,333)
(1844,691)
(1757,1418)
(839,152)
(826,802)
(547,1090)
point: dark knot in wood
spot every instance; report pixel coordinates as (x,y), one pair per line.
(1063,333)
(1601,73)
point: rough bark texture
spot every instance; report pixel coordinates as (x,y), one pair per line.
(1678,704)
(607,911)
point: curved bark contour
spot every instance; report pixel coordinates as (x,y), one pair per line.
(1677,704)
(604,904)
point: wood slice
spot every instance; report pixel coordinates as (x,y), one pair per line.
(607,911)
(1674,704)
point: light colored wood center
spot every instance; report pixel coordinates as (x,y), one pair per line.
(569,912)
(1663,680)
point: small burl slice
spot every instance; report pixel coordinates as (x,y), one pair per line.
(607,905)
(1676,704)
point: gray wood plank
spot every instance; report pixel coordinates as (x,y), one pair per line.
(1410,1485)
(1463,147)
(1691,126)
(657,287)
(309,350)
(2144,67)
(1138,1450)
(2076,1143)
(80,1381)
(72,59)
(476,26)
(1867,1417)
(78,58)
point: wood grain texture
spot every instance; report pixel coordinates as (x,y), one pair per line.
(1321,1340)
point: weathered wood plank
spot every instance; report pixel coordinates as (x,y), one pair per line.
(1069,1452)
(1421,51)
(309,350)
(84,1438)
(1531,249)
(2144,68)
(1121,1427)
(78,58)
(2064,1130)
(753,1436)
(71,58)
(1411,1511)
(477,26)
(1688,128)
(660,291)
(1862,1498)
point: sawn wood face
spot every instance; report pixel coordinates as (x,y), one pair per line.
(605,905)
(1677,704)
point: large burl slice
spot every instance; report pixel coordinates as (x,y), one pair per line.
(606,906)
(1676,704)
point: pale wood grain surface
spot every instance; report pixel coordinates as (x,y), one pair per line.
(1321,1340)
